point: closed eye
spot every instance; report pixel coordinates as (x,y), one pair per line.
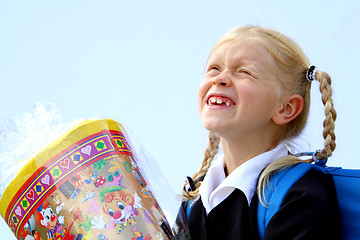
(247,72)
(213,69)
(244,71)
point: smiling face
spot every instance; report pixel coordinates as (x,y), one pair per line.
(239,93)
(117,202)
(49,218)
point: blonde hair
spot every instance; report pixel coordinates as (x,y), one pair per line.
(292,65)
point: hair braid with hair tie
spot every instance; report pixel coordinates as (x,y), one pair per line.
(330,115)
(210,152)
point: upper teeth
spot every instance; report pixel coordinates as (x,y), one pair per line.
(219,101)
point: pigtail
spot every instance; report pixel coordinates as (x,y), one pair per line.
(330,115)
(328,134)
(210,152)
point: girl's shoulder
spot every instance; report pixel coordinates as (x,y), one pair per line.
(314,184)
(312,203)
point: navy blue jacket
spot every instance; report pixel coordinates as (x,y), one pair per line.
(309,211)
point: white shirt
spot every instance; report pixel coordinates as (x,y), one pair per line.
(216,187)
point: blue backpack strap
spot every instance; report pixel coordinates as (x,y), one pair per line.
(279,185)
(347,183)
(188,208)
(190,186)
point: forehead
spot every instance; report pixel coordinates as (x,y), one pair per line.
(46,211)
(242,50)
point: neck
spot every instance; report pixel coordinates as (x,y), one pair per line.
(237,153)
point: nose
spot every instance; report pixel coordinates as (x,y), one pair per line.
(221,80)
(52,217)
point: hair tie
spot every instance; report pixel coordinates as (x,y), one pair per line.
(190,185)
(311,73)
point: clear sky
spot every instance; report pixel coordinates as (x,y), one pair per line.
(140,63)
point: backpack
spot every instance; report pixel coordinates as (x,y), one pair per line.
(347,184)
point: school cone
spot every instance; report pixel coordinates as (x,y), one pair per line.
(85,185)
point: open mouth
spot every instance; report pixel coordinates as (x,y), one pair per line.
(219,101)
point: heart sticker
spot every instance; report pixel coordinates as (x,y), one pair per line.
(45,180)
(65,163)
(30,194)
(86,150)
(18,211)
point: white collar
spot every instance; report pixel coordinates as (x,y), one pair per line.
(216,187)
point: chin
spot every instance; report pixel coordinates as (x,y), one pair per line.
(212,126)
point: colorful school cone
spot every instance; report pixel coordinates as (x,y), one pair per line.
(85,185)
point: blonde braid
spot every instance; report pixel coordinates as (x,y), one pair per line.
(328,134)
(212,149)
(330,115)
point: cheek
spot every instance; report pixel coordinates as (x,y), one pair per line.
(203,89)
(247,96)
(261,104)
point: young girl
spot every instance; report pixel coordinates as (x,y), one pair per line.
(254,99)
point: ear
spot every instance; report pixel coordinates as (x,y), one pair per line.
(290,109)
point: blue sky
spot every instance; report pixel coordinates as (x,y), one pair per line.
(140,63)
